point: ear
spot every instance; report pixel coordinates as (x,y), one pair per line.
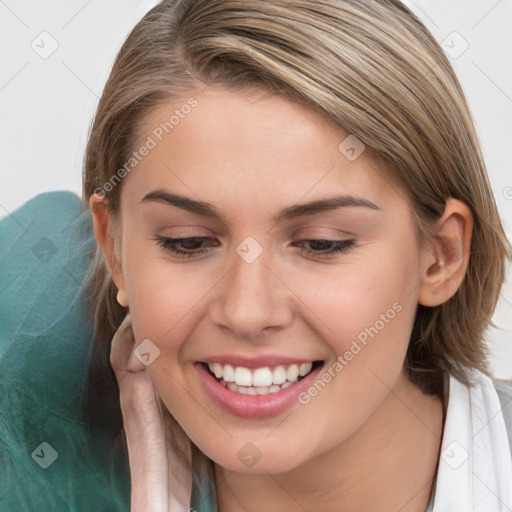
(444,265)
(103,231)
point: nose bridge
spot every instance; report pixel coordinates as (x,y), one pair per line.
(251,297)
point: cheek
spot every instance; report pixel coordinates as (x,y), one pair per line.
(161,295)
(364,311)
(374,291)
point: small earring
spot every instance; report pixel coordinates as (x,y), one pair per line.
(441,263)
(122,298)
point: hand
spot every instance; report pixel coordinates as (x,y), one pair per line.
(143,424)
(160,479)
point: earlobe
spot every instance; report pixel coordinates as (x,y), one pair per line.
(446,263)
(122,298)
(103,233)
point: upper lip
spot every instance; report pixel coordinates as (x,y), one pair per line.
(256,362)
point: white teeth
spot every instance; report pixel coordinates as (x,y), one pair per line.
(279,375)
(217,369)
(259,381)
(292,374)
(243,376)
(229,373)
(260,390)
(305,368)
(262,377)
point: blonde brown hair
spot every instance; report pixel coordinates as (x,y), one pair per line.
(371,67)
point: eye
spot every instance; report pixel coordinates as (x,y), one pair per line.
(194,246)
(191,245)
(325,247)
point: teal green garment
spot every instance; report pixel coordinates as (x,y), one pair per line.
(204,497)
(48,460)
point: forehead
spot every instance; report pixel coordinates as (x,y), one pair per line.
(252,146)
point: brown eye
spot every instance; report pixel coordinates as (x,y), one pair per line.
(323,247)
(192,246)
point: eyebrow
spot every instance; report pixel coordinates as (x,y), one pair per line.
(298,210)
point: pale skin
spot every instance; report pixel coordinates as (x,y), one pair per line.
(370,440)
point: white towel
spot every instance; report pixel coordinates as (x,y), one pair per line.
(475,468)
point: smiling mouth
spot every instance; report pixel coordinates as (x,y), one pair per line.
(260,381)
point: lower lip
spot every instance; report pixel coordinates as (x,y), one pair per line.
(254,406)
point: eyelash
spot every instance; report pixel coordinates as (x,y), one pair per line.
(170,244)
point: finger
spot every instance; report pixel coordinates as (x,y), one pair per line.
(146,441)
(122,357)
(121,344)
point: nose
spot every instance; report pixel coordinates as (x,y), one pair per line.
(252,300)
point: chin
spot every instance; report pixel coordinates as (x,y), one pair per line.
(250,460)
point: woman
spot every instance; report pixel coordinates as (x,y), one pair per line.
(298,256)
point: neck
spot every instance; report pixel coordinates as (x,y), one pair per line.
(389,463)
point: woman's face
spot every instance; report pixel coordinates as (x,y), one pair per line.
(254,296)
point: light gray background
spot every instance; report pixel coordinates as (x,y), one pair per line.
(47,101)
